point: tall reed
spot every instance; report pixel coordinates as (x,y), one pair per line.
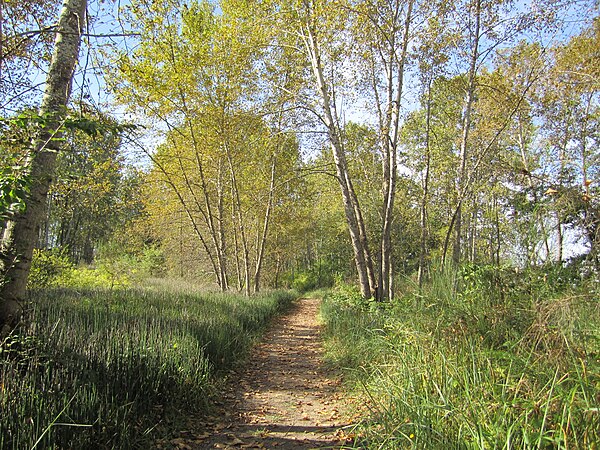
(104,369)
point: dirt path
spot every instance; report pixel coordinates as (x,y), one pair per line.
(284,398)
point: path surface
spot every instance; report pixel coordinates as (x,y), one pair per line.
(283,399)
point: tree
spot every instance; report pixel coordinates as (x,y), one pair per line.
(570,115)
(93,194)
(383,32)
(21,233)
(482,27)
(225,144)
(25,48)
(432,57)
(379,34)
(310,17)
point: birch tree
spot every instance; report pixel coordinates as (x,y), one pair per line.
(383,31)
(379,33)
(22,232)
(310,16)
(483,26)
(570,112)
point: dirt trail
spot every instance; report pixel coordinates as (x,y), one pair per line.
(284,398)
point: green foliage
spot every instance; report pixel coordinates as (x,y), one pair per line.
(13,191)
(49,268)
(503,359)
(94,194)
(90,126)
(113,268)
(316,276)
(107,369)
(14,180)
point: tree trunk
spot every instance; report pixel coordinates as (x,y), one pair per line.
(192,220)
(17,249)
(348,196)
(222,255)
(424,199)
(237,210)
(263,238)
(216,233)
(498,233)
(559,240)
(390,134)
(466,126)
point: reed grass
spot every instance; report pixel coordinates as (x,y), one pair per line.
(107,369)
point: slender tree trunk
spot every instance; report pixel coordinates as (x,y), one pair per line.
(235,193)
(591,220)
(473,237)
(192,219)
(349,200)
(222,247)
(424,199)
(216,232)
(537,213)
(466,126)
(560,238)
(181,246)
(391,135)
(236,243)
(263,238)
(17,249)
(496,253)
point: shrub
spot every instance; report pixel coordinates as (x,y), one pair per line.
(320,274)
(49,268)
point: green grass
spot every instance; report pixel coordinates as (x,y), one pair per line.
(497,361)
(107,369)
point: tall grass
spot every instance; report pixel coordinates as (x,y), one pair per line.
(103,369)
(495,360)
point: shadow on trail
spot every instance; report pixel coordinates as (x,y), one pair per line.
(277,436)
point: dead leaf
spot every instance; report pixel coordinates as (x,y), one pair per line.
(235,441)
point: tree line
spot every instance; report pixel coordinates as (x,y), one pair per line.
(291,137)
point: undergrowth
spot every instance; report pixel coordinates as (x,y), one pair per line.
(107,369)
(482,358)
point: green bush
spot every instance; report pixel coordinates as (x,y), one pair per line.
(318,275)
(152,261)
(112,269)
(49,268)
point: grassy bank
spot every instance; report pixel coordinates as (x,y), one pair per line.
(481,359)
(106,369)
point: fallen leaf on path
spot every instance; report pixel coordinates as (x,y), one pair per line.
(253,445)
(180,443)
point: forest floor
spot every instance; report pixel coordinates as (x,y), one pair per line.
(283,398)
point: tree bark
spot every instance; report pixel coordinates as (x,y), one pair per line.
(18,244)
(391,136)
(237,211)
(425,197)
(351,205)
(261,242)
(466,126)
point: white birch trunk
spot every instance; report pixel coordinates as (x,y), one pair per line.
(17,249)
(350,204)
